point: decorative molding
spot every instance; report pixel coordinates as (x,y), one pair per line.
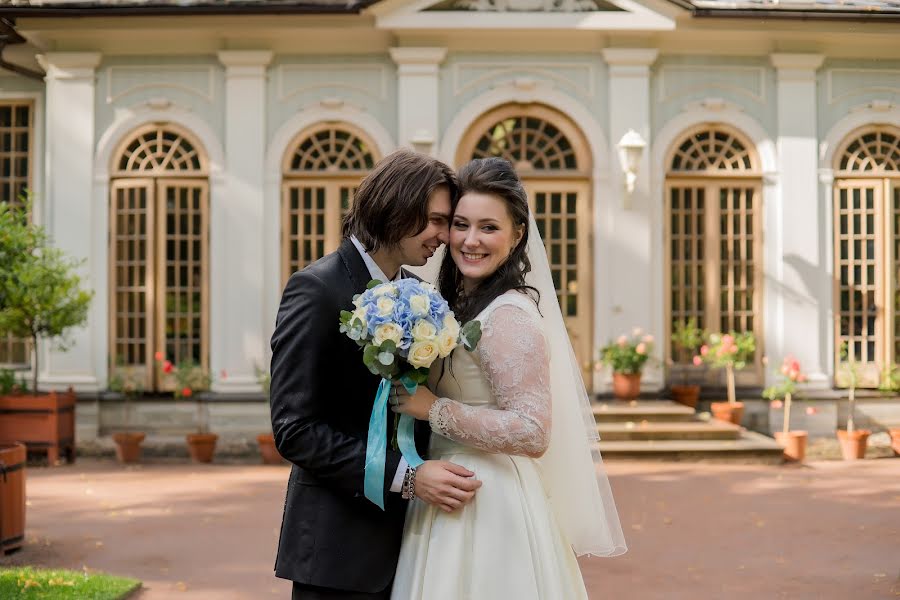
(245,58)
(377,72)
(714,75)
(850,77)
(198,80)
(69,65)
(713,105)
(494,71)
(796,63)
(630,57)
(418,55)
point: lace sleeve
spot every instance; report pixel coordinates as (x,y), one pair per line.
(515,362)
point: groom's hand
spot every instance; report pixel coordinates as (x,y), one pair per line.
(445,485)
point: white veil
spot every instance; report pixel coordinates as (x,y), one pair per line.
(572,468)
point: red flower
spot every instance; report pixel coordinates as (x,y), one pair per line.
(777,404)
(158,356)
(168,367)
(698,360)
(186,392)
(223,374)
(811,410)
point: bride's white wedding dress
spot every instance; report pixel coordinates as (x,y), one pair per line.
(507,542)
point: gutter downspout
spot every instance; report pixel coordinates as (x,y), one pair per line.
(8,37)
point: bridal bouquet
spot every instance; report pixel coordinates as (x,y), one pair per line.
(403,327)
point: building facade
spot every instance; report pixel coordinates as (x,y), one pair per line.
(195,157)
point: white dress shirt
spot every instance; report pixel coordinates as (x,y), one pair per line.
(375,272)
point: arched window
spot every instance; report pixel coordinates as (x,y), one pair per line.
(16,133)
(551,156)
(713,235)
(867,250)
(159,253)
(321,171)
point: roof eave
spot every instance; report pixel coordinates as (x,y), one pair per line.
(13,12)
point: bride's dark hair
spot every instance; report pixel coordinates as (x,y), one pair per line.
(496,177)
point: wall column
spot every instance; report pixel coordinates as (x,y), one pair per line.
(69,212)
(803,286)
(631,286)
(238,316)
(418,70)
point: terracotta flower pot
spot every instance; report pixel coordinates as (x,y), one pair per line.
(895,440)
(794,446)
(853,445)
(12,497)
(731,412)
(626,386)
(686,394)
(270,455)
(128,446)
(202,446)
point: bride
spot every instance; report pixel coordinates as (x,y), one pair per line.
(515,412)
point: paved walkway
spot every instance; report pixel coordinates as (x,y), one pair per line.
(703,531)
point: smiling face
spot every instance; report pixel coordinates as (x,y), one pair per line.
(417,249)
(482,235)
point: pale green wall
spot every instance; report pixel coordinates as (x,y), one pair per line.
(368,83)
(748,82)
(196,83)
(844,85)
(465,76)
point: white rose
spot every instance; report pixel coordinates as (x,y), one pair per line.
(388,331)
(451,326)
(446,343)
(385,289)
(422,354)
(419,305)
(385,306)
(423,330)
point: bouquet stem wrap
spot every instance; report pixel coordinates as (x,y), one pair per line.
(376,446)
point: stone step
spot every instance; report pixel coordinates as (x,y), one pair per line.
(642,410)
(750,447)
(657,430)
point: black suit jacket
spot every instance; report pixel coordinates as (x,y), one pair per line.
(321,400)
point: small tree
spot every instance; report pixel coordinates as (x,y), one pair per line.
(850,371)
(40,295)
(729,351)
(791,376)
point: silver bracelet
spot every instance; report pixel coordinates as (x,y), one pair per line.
(408,490)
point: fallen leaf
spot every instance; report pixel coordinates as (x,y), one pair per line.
(667,520)
(637,526)
(181,586)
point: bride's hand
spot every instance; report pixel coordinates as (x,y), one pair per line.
(416,405)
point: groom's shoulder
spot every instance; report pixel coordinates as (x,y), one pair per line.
(327,270)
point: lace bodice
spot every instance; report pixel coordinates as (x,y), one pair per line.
(497,399)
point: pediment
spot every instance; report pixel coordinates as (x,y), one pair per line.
(519,14)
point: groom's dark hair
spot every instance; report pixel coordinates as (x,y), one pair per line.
(391,203)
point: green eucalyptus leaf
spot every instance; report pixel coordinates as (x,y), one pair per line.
(471,335)
(373,283)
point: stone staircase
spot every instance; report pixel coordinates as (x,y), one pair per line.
(666,430)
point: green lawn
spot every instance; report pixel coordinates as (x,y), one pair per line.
(27,583)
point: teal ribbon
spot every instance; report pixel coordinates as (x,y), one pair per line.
(376,443)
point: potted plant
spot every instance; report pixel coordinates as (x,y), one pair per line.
(191,380)
(128,384)
(890,382)
(40,299)
(853,441)
(627,357)
(793,442)
(266,441)
(688,337)
(730,351)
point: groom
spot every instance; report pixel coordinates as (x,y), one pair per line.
(334,542)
